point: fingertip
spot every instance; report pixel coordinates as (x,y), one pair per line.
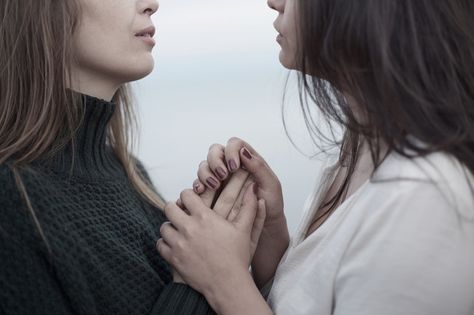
(221,173)
(158,243)
(244,152)
(232,165)
(198,187)
(212,183)
(248,160)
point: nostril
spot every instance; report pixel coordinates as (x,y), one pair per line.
(151,9)
(271,5)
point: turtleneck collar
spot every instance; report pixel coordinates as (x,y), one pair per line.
(89,155)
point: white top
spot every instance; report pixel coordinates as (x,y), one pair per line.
(402,244)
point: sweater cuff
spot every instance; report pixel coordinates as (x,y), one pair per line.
(178,298)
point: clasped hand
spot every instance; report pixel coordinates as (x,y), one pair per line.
(213,235)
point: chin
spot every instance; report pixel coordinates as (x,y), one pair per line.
(140,70)
(288,63)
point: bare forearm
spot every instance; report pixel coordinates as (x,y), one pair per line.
(238,295)
(271,248)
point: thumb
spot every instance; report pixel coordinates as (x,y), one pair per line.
(259,222)
(248,211)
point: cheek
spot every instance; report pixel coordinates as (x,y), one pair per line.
(115,54)
(107,47)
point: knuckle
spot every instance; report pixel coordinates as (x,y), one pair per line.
(187,193)
(159,247)
(202,217)
(189,230)
(215,147)
(278,186)
(182,195)
(174,260)
(259,162)
(163,229)
(227,200)
(180,245)
(235,141)
(168,208)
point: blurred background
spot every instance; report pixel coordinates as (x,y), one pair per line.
(217,75)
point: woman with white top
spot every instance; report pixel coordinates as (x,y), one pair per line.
(390,226)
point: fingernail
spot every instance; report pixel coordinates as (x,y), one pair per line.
(221,172)
(232,165)
(196,188)
(246,153)
(212,182)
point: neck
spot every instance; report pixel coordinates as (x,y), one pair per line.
(92,84)
(88,154)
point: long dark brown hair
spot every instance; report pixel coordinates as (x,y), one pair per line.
(38,113)
(409,67)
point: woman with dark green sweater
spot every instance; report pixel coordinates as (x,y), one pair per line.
(78,215)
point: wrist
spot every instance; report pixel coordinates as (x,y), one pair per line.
(238,295)
(227,293)
(177,277)
(275,220)
(276,230)
(273,243)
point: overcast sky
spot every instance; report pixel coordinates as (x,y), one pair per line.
(217,75)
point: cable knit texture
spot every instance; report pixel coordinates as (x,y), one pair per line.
(100,233)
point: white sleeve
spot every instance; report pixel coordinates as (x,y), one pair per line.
(413,255)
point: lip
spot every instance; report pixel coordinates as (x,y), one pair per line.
(279,37)
(276,26)
(147,34)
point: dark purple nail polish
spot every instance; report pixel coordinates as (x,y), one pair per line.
(246,153)
(212,182)
(221,173)
(232,165)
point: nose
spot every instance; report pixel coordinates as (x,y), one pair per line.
(149,7)
(277,5)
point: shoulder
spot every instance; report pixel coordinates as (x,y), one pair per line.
(15,223)
(142,170)
(8,185)
(413,229)
(437,179)
(420,202)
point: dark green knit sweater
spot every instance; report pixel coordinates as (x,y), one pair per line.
(100,232)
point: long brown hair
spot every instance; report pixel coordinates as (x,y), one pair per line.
(407,64)
(38,115)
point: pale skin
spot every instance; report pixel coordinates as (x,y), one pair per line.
(112,45)
(212,254)
(196,239)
